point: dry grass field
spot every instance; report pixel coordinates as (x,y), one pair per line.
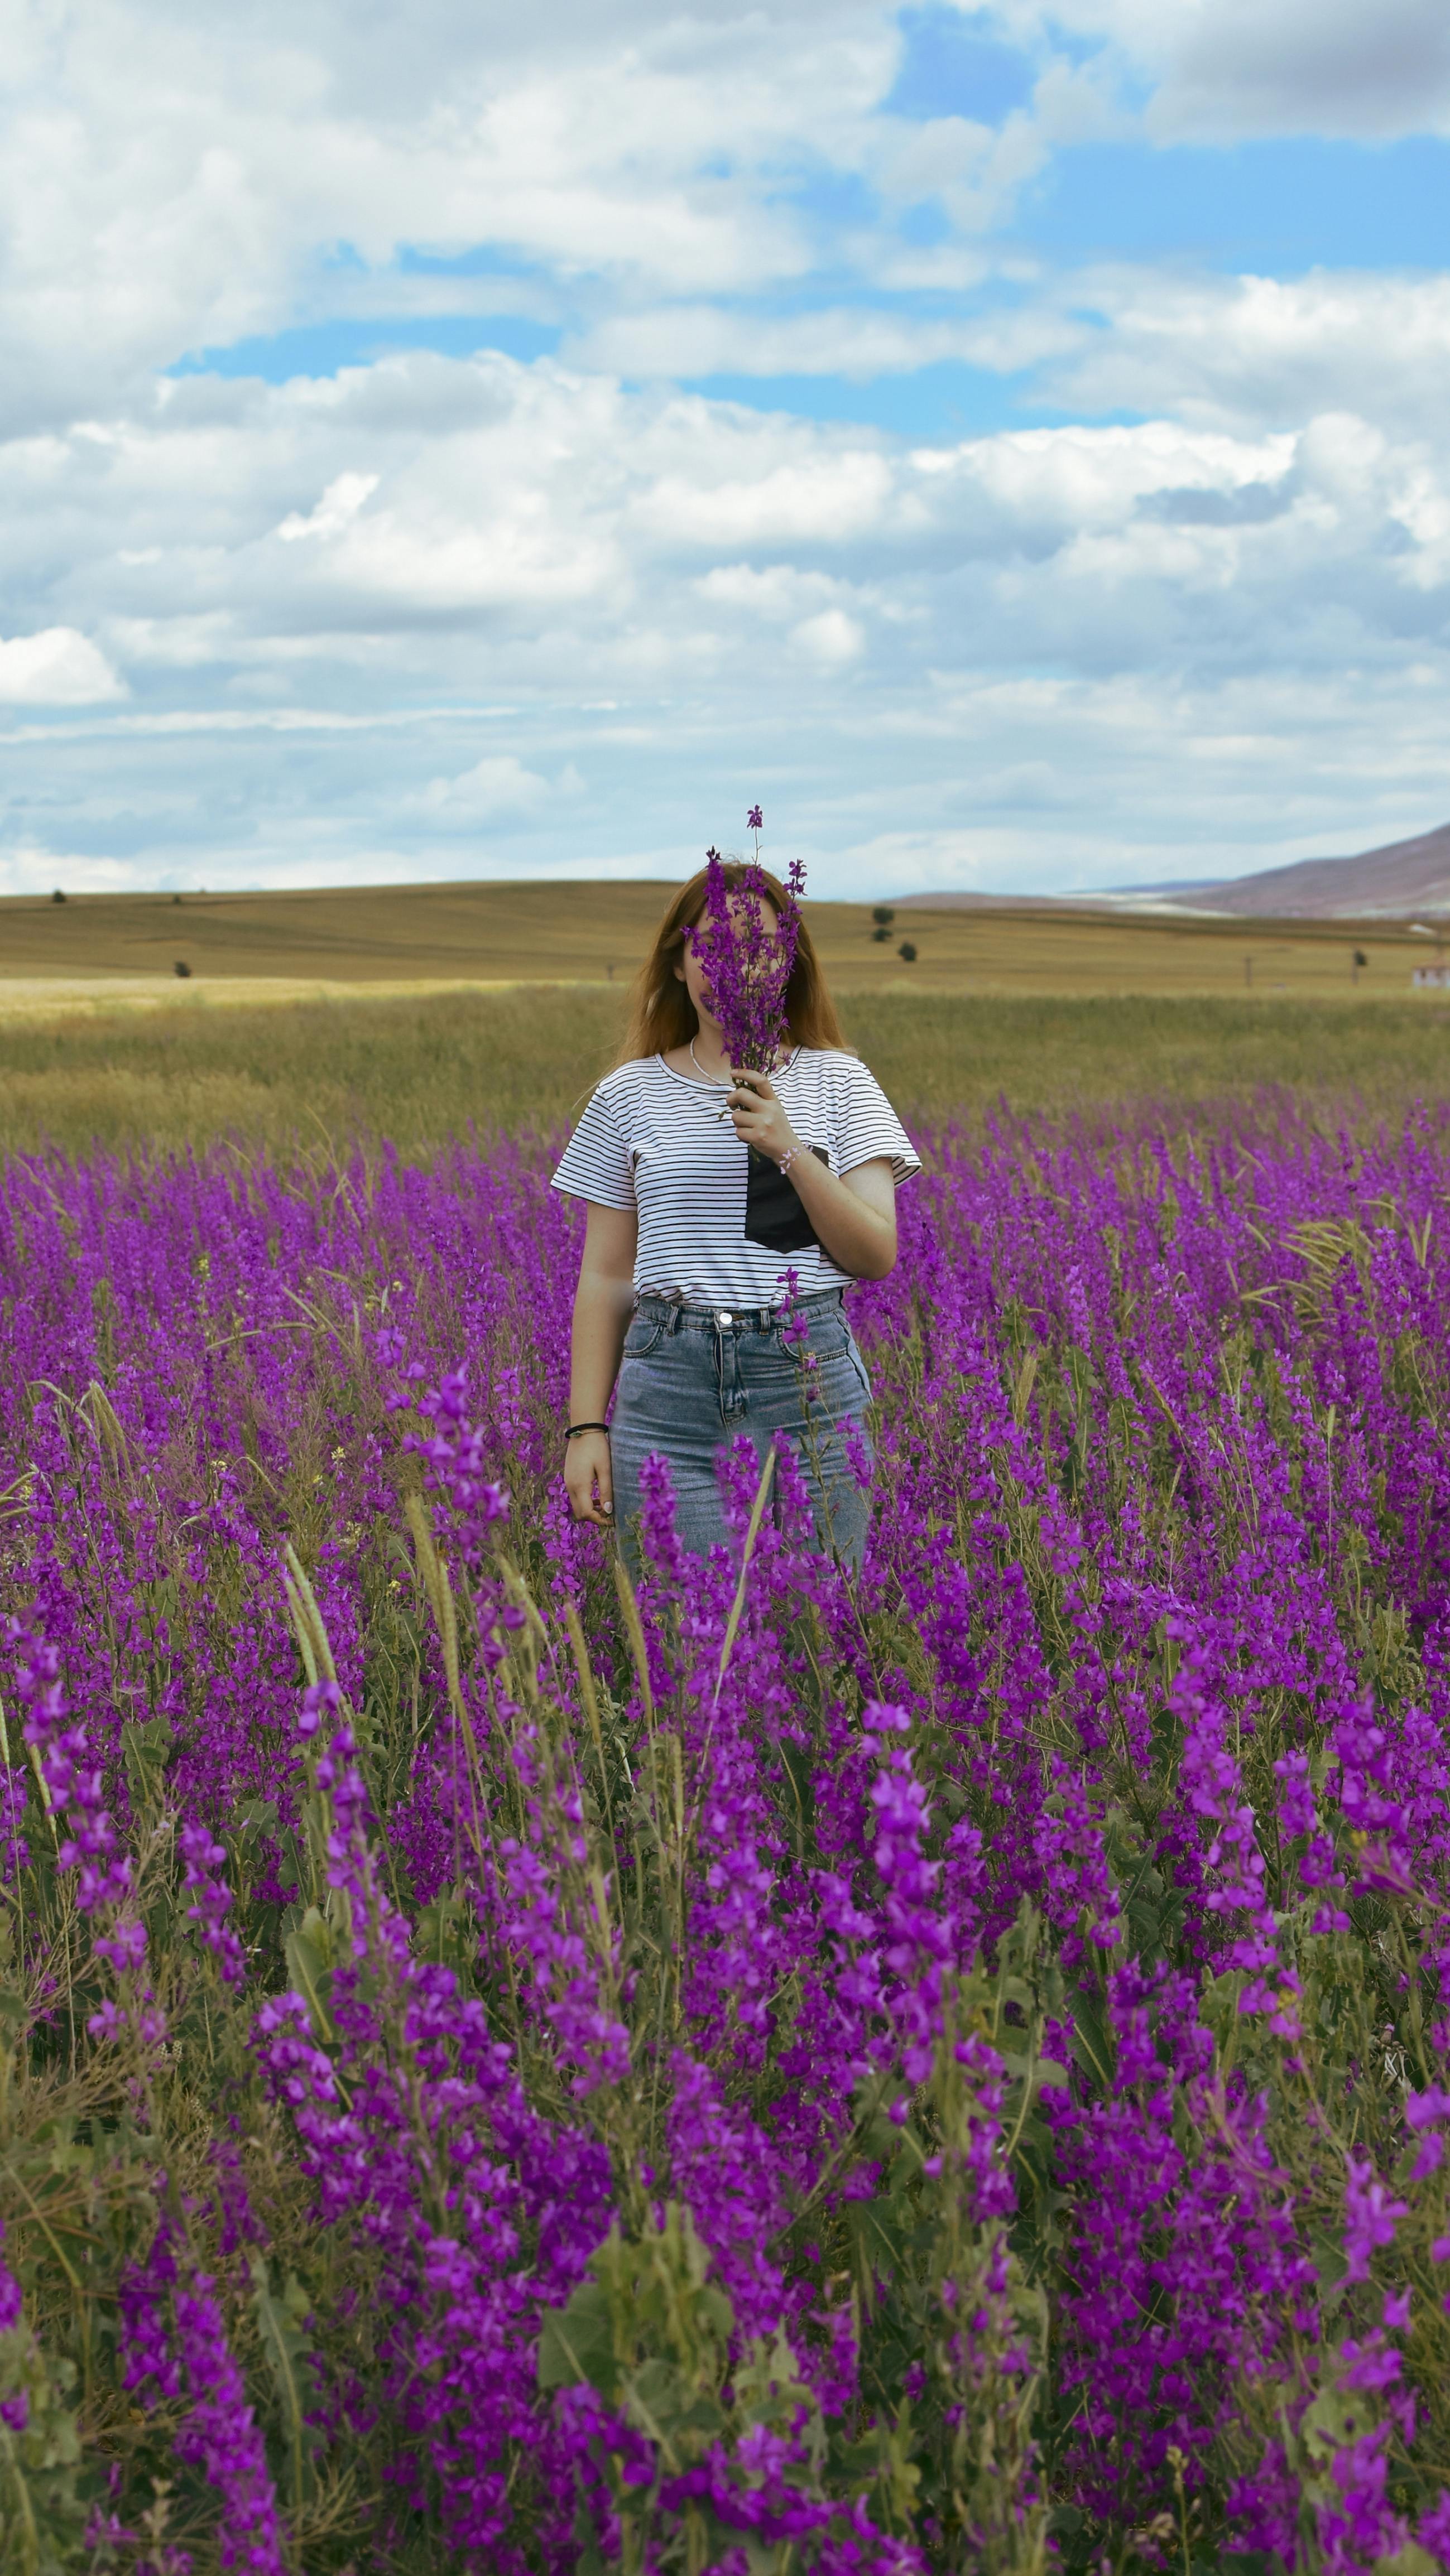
(420,1068)
(417,1014)
(57,955)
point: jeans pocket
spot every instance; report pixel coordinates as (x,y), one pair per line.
(644,1335)
(858,1365)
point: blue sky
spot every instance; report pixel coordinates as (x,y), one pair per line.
(1011,442)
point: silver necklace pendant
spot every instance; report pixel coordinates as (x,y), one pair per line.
(706,1077)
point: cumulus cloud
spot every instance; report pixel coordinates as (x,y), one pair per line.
(168,184)
(498,784)
(572,603)
(1305,67)
(1255,350)
(336,510)
(830,637)
(27,867)
(650,603)
(1251,67)
(56,668)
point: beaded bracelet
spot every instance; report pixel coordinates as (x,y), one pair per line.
(575,1428)
(791,1155)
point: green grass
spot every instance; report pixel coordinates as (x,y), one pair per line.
(943,1057)
(422,1069)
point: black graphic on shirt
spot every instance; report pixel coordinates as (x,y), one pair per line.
(773,1214)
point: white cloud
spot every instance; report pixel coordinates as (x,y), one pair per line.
(831,637)
(169,183)
(703,339)
(449,593)
(1257,350)
(56,668)
(336,510)
(537,541)
(1305,67)
(1223,69)
(1046,631)
(835,490)
(494,785)
(29,868)
(778,592)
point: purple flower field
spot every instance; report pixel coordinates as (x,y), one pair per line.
(945,2071)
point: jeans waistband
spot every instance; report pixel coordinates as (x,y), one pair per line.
(680,1318)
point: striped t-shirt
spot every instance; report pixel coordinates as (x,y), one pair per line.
(718,1225)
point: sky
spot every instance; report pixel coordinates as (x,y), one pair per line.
(1012,445)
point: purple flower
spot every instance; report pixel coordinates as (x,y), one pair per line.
(176,2347)
(1370,2216)
(747,954)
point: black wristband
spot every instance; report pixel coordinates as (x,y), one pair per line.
(574,1429)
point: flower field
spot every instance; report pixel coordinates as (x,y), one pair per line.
(945,2071)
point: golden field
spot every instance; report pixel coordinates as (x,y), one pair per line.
(419,1014)
(417,936)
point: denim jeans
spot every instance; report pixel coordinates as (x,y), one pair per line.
(693,1379)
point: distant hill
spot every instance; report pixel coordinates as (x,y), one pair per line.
(1403,877)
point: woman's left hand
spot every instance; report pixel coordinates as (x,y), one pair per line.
(760,1118)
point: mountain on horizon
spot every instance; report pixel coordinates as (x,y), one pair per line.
(1401,877)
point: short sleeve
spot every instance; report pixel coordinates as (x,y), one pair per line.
(596,1163)
(868,1127)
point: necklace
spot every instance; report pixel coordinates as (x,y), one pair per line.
(704,1076)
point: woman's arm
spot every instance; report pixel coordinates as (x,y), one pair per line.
(854,1215)
(603,1302)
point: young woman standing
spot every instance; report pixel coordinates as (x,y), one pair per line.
(702,1191)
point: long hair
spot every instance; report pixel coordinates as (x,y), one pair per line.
(662,1014)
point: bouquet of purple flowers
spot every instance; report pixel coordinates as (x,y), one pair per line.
(746,945)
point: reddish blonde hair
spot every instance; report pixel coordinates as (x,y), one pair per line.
(662,1014)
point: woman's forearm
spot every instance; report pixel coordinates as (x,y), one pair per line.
(859,1238)
(602,1308)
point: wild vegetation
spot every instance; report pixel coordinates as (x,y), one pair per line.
(420,1069)
(778,2072)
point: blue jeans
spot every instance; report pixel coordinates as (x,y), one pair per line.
(692,1380)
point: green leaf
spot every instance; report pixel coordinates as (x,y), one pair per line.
(1092,2040)
(1331,2264)
(576,2344)
(311,1975)
(878,2234)
(289,2356)
(1332,2423)
(660,2400)
(146,1750)
(255,1816)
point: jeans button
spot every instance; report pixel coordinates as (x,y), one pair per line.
(724,1317)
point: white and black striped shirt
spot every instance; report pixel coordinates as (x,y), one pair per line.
(718,1225)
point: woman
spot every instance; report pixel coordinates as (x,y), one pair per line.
(702,1192)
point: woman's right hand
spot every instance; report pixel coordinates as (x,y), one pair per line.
(589,1478)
